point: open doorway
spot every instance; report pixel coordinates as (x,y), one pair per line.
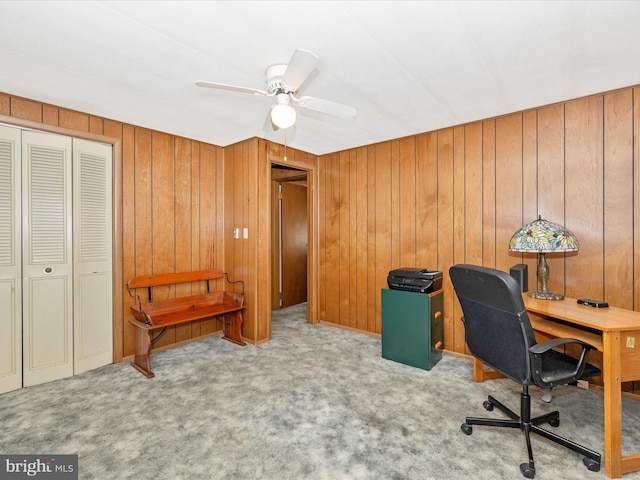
(289,236)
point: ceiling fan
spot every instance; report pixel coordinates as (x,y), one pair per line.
(284,82)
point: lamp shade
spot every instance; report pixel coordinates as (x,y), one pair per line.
(543,236)
(283,115)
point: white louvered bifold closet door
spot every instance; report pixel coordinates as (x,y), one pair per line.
(47,267)
(93,323)
(10,261)
(56,313)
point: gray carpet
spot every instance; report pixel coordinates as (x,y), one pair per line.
(317,402)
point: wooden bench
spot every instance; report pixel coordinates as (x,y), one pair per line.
(152,315)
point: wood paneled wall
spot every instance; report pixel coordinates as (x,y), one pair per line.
(431,200)
(172,218)
(458,194)
(248,199)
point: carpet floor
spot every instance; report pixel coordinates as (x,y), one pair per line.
(316,402)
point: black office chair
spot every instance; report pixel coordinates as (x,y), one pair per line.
(499,334)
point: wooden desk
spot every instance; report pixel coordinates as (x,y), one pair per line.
(613,331)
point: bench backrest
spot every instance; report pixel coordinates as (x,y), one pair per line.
(143,281)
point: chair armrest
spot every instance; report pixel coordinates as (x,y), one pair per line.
(551,368)
(556,342)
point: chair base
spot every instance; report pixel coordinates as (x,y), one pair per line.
(531,425)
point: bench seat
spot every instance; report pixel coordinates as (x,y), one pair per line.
(185,309)
(155,315)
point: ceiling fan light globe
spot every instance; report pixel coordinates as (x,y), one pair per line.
(283,116)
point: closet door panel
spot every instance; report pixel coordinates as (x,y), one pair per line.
(47,258)
(10,261)
(10,341)
(48,327)
(93,318)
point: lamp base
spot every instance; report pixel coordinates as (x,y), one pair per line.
(546,295)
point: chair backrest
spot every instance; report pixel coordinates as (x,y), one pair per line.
(497,327)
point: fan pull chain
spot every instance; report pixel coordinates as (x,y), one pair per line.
(285,145)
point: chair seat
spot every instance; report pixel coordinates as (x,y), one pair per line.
(557,367)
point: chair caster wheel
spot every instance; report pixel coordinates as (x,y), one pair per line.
(555,422)
(591,464)
(466,429)
(528,470)
(488,405)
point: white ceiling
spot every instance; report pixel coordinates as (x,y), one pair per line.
(408,67)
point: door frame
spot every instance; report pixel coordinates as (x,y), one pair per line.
(277,229)
(312,235)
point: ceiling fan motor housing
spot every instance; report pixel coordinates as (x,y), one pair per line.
(274,76)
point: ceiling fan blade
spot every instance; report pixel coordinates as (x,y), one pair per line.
(326,106)
(300,67)
(233,88)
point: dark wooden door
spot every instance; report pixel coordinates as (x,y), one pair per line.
(294,244)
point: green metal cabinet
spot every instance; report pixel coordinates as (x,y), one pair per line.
(412,327)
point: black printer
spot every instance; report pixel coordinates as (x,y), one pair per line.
(418,280)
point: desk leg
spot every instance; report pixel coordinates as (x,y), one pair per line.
(478,371)
(142,360)
(480,374)
(612,364)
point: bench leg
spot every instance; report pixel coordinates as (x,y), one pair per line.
(142,360)
(232,324)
